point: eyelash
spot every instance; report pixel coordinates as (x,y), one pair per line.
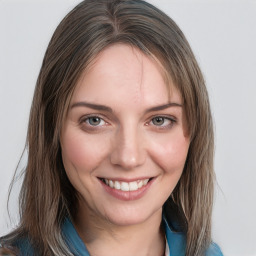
(171,121)
(87,118)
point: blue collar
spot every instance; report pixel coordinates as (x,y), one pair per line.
(175,240)
(73,240)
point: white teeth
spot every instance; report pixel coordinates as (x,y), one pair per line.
(117,185)
(126,186)
(145,182)
(111,183)
(140,184)
(133,186)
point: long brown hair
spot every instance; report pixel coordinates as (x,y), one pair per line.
(47,196)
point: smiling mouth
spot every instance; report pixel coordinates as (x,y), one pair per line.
(126,186)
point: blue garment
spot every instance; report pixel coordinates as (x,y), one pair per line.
(176,242)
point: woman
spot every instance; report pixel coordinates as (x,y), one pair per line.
(120,140)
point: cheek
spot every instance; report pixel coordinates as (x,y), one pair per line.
(82,152)
(170,153)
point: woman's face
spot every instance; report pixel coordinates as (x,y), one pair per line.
(124,142)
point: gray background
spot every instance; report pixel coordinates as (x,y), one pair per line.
(223,37)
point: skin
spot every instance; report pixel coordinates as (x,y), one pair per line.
(127,143)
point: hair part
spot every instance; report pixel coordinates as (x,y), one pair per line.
(47,195)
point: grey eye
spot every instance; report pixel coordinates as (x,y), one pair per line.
(158,120)
(94,120)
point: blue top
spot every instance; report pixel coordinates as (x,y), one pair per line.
(176,242)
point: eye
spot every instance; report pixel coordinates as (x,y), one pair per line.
(159,120)
(162,122)
(94,121)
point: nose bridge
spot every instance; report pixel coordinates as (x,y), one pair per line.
(128,151)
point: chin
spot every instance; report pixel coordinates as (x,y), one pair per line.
(128,217)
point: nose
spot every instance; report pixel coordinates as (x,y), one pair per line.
(128,150)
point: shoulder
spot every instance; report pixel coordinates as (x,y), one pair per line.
(214,250)
(18,247)
(179,240)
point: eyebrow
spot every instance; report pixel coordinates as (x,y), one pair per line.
(108,109)
(92,106)
(162,107)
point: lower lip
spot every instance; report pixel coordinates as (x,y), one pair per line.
(127,195)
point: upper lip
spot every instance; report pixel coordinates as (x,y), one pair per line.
(127,179)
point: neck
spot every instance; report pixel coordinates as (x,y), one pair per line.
(102,237)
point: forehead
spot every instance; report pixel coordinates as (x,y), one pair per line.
(123,71)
